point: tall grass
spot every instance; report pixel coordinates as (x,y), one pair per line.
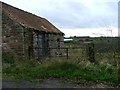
(76,67)
(57,68)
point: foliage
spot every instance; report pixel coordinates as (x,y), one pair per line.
(85,71)
(7,58)
(78,68)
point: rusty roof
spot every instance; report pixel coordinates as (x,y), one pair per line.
(29,20)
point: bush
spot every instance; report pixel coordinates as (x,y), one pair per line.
(7,58)
(63,65)
(57,68)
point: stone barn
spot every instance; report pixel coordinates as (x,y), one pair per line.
(25,34)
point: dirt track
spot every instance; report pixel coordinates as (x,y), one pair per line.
(47,83)
(43,84)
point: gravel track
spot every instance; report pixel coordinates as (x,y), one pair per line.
(48,83)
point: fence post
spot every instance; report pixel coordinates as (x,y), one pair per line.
(49,52)
(67,52)
(91,52)
(29,52)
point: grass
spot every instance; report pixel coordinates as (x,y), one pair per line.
(76,69)
(57,68)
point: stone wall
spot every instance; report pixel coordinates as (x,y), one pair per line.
(15,38)
(12,37)
(55,43)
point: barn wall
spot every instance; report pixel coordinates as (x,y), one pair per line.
(48,42)
(12,38)
(28,42)
(54,43)
(15,38)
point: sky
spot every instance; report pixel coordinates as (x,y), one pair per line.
(75,17)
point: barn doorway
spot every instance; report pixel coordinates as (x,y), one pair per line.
(43,44)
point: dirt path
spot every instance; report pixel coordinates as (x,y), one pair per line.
(47,83)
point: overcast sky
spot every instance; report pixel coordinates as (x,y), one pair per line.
(74,16)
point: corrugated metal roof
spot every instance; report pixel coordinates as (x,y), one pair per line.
(29,20)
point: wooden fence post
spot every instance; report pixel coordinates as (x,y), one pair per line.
(67,52)
(29,52)
(90,51)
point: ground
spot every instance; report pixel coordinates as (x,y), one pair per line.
(49,83)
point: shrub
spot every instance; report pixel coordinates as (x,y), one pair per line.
(7,58)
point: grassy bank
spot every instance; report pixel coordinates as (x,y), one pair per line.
(81,72)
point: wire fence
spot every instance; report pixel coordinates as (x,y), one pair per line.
(89,52)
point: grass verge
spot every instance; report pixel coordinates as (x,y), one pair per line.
(79,73)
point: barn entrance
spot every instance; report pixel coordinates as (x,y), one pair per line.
(43,45)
